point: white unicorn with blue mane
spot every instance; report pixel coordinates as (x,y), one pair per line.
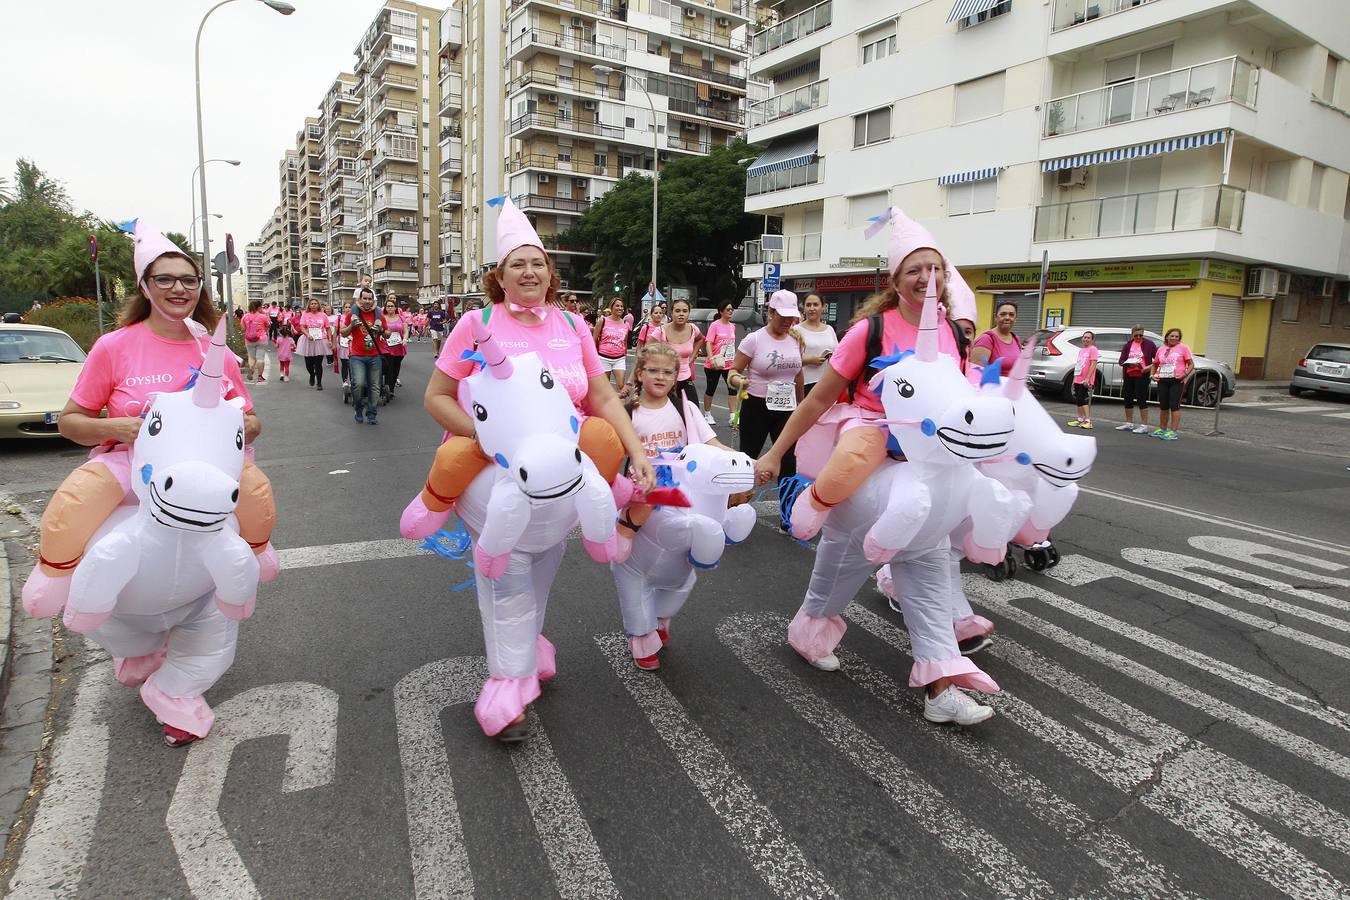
(163,584)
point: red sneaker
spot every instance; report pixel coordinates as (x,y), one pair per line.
(664,635)
(647,663)
(177,737)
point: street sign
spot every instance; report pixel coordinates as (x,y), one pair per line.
(93,247)
(229,250)
(859,262)
(772,277)
(224,264)
(1054,318)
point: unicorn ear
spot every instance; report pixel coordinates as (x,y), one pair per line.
(875,382)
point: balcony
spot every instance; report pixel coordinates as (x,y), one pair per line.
(394,57)
(1230,79)
(390,272)
(708,111)
(398,82)
(1156,212)
(806,22)
(452,166)
(345,262)
(800,248)
(454,258)
(450,198)
(708,36)
(548,161)
(691,144)
(398,154)
(553,204)
(385,103)
(727,78)
(563,123)
(387,200)
(387,222)
(1069,13)
(452,29)
(803,99)
(551,81)
(552,243)
(784,179)
(392,178)
(607,8)
(535,39)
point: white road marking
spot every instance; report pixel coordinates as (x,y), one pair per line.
(340,472)
(777,860)
(755,640)
(1180,564)
(1157,506)
(57,845)
(439,858)
(1252,554)
(307,715)
(1344,415)
(1299,409)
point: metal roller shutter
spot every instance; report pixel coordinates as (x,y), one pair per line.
(1119,309)
(1225,324)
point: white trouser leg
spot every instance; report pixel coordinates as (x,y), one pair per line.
(201,650)
(840,570)
(922,583)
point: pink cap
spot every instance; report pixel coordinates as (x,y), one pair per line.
(151,244)
(961,296)
(514,231)
(907,236)
(785,304)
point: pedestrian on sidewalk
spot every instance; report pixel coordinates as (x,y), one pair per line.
(610,333)
(999,344)
(1173,366)
(285,348)
(393,347)
(363,327)
(314,344)
(1085,379)
(719,352)
(255,324)
(1136,367)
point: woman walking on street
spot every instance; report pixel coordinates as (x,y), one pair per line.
(393,347)
(720,352)
(685,337)
(1172,369)
(655,322)
(768,366)
(364,327)
(611,339)
(255,324)
(314,345)
(818,340)
(342,345)
(999,343)
(1085,380)
(1136,367)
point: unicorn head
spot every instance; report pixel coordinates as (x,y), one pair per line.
(525,420)
(189,454)
(708,475)
(1037,441)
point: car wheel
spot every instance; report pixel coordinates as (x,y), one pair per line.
(1294,392)
(1207,390)
(1067,393)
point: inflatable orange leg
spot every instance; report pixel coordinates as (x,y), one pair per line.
(257,509)
(458,462)
(600,442)
(80,505)
(855,457)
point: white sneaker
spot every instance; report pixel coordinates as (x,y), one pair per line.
(1128,426)
(708,417)
(1142,429)
(829,664)
(955,706)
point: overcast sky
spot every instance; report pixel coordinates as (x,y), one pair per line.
(99,93)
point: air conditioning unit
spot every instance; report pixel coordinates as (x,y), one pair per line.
(577,22)
(1263,282)
(689,126)
(1075,176)
(590,104)
(1324,287)
(690,14)
(550,98)
(544,178)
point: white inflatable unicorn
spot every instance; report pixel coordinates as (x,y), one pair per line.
(655,580)
(164,584)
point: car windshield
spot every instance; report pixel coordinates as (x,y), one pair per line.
(24,346)
(1327,353)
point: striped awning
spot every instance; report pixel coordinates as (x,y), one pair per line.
(976,175)
(964,9)
(1189,142)
(788,152)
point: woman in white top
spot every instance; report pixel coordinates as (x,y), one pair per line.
(818,340)
(768,365)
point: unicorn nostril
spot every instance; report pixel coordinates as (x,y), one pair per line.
(578,454)
(234,498)
(524,476)
(168,482)
(1069,461)
(970,417)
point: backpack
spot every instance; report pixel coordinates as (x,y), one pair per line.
(873,350)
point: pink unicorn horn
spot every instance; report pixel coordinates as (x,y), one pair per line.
(926,344)
(494,357)
(206,392)
(1017,378)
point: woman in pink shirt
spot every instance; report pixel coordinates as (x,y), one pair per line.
(999,343)
(720,351)
(1173,366)
(611,339)
(685,337)
(1085,379)
(313,344)
(393,347)
(256,324)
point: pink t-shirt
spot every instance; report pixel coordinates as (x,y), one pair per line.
(720,336)
(686,350)
(1170,361)
(314,320)
(255,326)
(285,347)
(396,326)
(663,429)
(1003,354)
(614,338)
(648,332)
(771,359)
(567,349)
(896,335)
(1086,364)
(128,365)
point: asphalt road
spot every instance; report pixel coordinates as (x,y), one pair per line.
(1174,717)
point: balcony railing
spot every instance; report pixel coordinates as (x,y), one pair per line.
(551,242)
(785,179)
(549,161)
(708,36)
(389,56)
(451,165)
(564,42)
(731,80)
(800,247)
(393,79)
(1069,13)
(551,81)
(790,29)
(1219,81)
(607,8)
(453,258)
(707,111)
(392,178)
(690,145)
(395,223)
(803,99)
(557,204)
(451,198)
(565,123)
(1155,212)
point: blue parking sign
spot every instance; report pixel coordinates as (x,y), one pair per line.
(772,280)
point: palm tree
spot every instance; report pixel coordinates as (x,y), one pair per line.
(5,195)
(32,185)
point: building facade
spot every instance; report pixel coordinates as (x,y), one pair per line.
(343,195)
(254,271)
(1183,163)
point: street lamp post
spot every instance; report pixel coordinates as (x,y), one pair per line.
(285,9)
(193,230)
(656,159)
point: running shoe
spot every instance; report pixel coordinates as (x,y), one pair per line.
(1169,435)
(177,737)
(827,663)
(515,732)
(1126,427)
(360,419)
(1141,429)
(1157,433)
(708,417)
(956,706)
(1088,425)
(974,644)
(647,663)
(1075,423)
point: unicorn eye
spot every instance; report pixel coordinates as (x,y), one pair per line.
(239,439)
(479,412)
(156,424)
(546,379)
(904,387)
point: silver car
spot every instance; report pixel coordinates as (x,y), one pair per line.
(1056,352)
(1325,370)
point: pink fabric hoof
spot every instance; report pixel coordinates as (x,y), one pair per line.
(502,700)
(491,566)
(959,669)
(644,645)
(815,637)
(990,556)
(134,670)
(623,547)
(84,622)
(623,489)
(191,714)
(237,612)
(885,582)
(807,518)
(545,658)
(1030,534)
(972,626)
(418,522)
(877,554)
(602,552)
(45,595)
(269,564)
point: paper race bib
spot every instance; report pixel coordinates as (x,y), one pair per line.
(345,341)
(723,358)
(782,396)
(394,339)
(1167,370)
(315,334)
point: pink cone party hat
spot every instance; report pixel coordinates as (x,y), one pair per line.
(907,235)
(961,296)
(151,244)
(513,229)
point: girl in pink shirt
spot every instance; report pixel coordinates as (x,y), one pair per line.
(611,338)
(313,344)
(285,349)
(685,337)
(720,350)
(1084,379)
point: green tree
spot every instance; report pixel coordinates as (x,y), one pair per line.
(702,227)
(5,195)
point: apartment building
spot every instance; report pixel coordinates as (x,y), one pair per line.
(309,211)
(254,271)
(344,197)
(288,171)
(449,196)
(275,276)
(1183,162)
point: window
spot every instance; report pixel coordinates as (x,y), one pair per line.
(972,197)
(1276,183)
(1324,316)
(877,43)
(601,160)
(1289,309)
(872,127)
(999,9)
(865,206)
(980,98)
(564,154)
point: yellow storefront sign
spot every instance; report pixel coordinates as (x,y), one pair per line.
(1141,272)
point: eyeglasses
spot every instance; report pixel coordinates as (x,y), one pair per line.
(165,282)
(660,373)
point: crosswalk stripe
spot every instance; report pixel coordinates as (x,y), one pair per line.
(1344,415)
(1299,409)
(1253,554)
